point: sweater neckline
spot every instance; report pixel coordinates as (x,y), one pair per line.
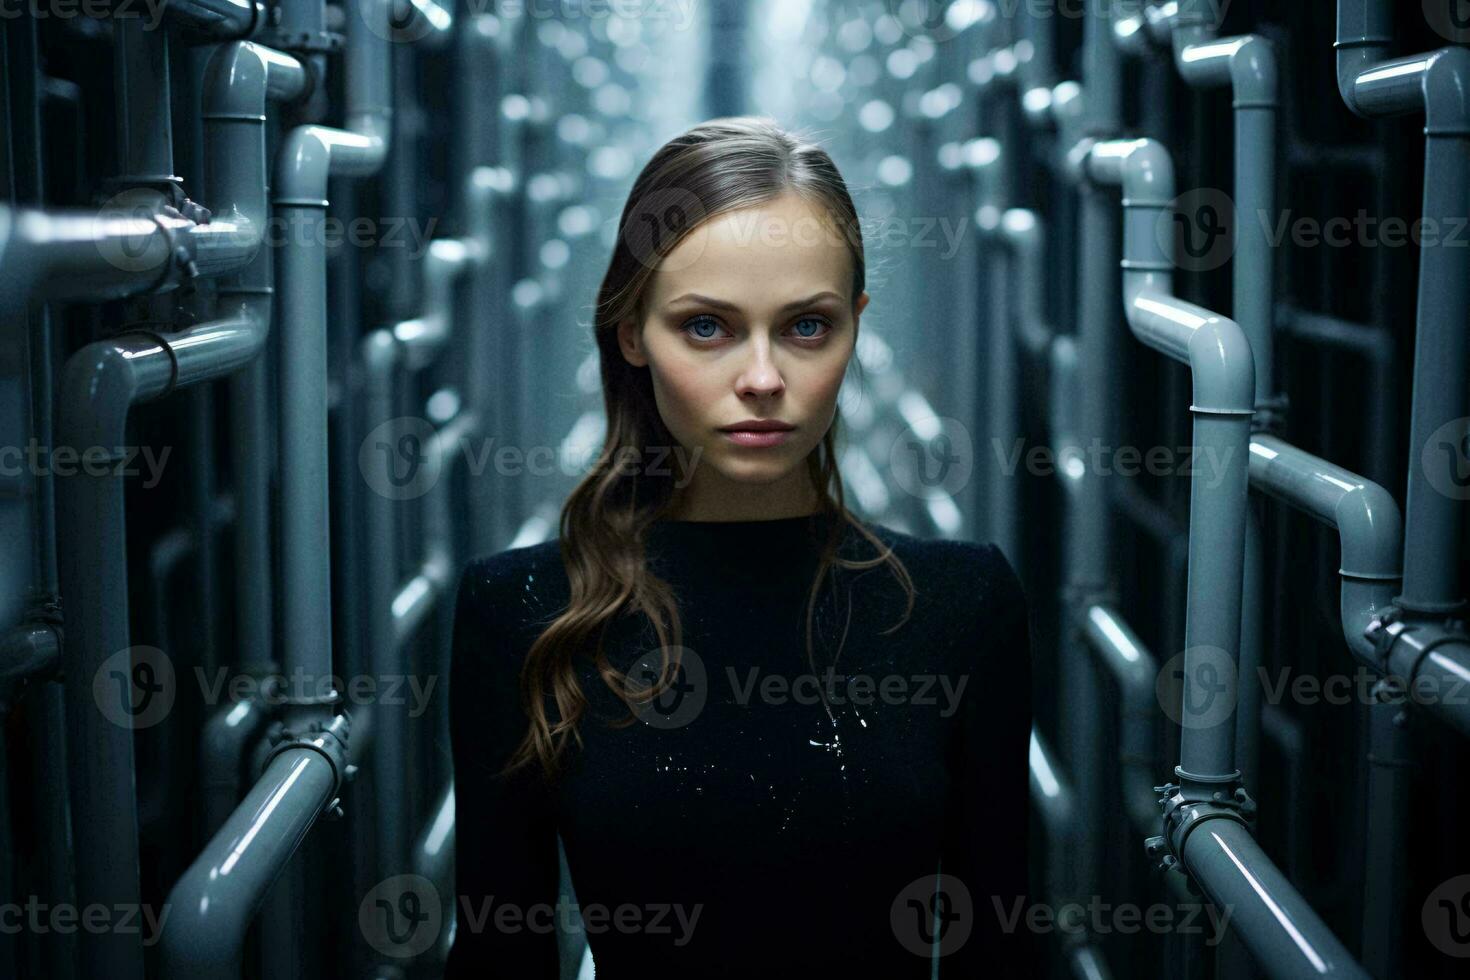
(750,551)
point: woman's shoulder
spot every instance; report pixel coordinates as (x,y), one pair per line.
(506,596)
(486,577)
(956,573)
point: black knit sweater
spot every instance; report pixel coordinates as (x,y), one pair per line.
(741,827)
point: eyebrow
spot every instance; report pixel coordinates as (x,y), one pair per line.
(723,305)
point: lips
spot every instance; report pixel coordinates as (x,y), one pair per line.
(762,425)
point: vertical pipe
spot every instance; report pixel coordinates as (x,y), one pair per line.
(1390,759)
(144,120)
(1434,521)
(1088,541)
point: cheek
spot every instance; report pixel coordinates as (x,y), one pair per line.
(683,389)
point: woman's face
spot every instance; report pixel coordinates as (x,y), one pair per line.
(750,317)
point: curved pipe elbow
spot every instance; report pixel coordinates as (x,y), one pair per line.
(100,384)
(1371,530)
(242,76)
(1143,168)
(1222,366)
(1254,73)
(302,166)
(311,153)
(1447,93)
(1148,174)
(1363,38)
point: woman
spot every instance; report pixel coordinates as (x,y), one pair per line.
(777,746)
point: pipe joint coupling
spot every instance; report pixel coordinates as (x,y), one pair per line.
(326,737)
(1183,813)
(1400,645)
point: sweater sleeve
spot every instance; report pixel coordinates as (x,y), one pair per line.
(506,865)
(986,845)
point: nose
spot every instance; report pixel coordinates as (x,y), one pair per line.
(760,378)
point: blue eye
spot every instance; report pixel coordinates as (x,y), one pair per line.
(819,322)
(702,321)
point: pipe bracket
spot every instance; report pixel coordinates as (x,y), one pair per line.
(328,738)
(1391,628)
(1183,816)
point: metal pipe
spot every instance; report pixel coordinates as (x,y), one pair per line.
(142,92)
(1279,928)
(1022,231)
(432,858)
(214,901)
(1136,672)
(1088,530)
(1219,357)
(410,345)
(1056,806)
(1438,84)
(310,154)
(218,20)
(102,382)
(1366,518)
(1286,938)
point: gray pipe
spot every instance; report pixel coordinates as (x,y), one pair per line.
(102,382)
(1367,520)
(308,156)
(1088,538)
(240,82)
(213,902)
(1213,347)
(433,858)
(1365,515)
(1056,806)
(1285,935)
(1417,641)
(1136,672)
(218,20)
(1288,940)
(1438,84)
(97,256)
(409,345)
(1022,231)
(141,90)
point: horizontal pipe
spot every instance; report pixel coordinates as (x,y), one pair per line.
(1364,514)
(218,20)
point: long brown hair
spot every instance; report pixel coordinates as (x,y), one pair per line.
(718,166)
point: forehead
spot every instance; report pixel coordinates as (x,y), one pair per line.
(757,254)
